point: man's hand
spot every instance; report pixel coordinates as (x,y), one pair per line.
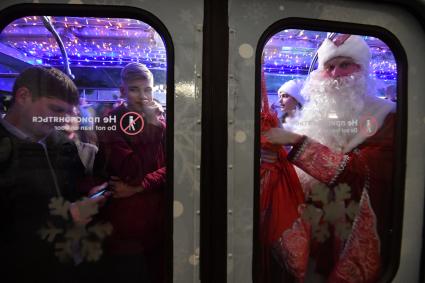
(82,211)
(121,189)
(281,136)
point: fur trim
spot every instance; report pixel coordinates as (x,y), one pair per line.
(377,108)
(354,47)
(293,88)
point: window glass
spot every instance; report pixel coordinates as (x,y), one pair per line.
(82,150)
(328,121)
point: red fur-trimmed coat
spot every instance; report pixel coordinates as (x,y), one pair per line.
(137,221)
(350,209)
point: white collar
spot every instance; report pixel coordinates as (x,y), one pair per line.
(377,108)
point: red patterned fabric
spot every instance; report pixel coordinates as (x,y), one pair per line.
(312,153)
(360,260)
(280,196)
(367,171)
(292,248)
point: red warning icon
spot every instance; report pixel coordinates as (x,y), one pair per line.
(132,123)
(368,125)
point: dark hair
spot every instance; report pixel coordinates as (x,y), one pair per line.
(48,82)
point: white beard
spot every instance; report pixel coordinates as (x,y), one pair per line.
(331,105)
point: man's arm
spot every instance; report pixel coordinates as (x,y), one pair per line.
(323,164)
(152,181)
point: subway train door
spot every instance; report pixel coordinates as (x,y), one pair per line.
(272,42)
(213,93)
(91,41)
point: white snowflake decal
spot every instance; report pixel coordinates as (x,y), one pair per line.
(71,241)
(101,230)
(352,209)
(91,250)
(343,230)
(75,233)
(320,193)
(50,232)
(63,250)
(58,206)
(186,128)
(342,192)
(321,234)
(312,214)
(334,211)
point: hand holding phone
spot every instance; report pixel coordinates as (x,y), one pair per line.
(102,191)
(121,189)
(99,193)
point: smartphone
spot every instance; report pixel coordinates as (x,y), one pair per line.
(99,193)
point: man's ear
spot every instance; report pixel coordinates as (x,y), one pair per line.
(23,96)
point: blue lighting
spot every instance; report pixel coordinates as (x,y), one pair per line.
(295,49)
(88,41)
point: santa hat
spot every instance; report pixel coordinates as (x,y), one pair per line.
(353,46)
(293,89)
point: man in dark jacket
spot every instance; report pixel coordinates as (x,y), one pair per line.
(39,169)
